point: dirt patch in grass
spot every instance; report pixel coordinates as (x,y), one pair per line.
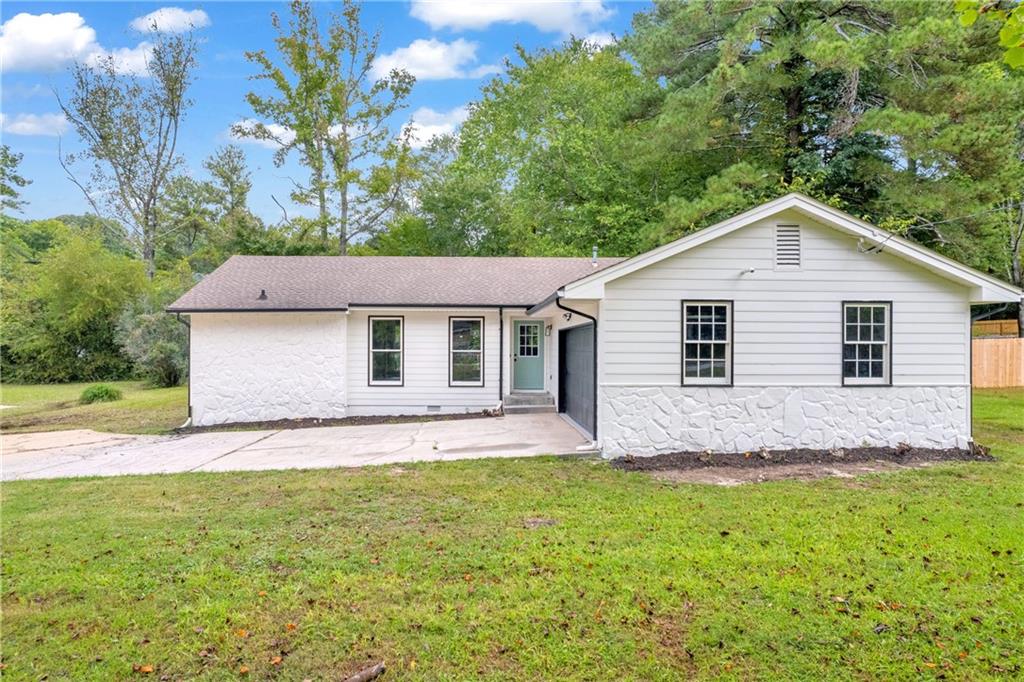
(311,423)
(804,463)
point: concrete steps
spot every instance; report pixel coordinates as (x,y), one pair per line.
(528,403)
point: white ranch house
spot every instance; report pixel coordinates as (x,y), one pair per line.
(790,325)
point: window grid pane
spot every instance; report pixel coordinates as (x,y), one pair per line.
(385,350)
(865,341)
(706,338)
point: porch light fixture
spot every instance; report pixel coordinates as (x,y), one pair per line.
(547,330)
(566,316)
(262,296)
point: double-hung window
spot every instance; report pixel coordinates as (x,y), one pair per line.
(466,351)
(707,342)
(386,351)
(866,342)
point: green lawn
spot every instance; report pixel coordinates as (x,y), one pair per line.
(436,569)
(52,407)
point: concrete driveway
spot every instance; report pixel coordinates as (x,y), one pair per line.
(61,454)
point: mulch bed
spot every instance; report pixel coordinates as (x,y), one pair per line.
(279,424)
(766,458)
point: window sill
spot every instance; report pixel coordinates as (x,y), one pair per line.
(696,381)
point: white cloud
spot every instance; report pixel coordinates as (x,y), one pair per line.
(282,133)
(566,16)
(50,125)
(171,20)
(427,124)
(434,60)
(599,39)
(126,60)
(48,42)
(44,42)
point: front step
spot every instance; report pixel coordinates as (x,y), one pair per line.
(528,403)
(528,409)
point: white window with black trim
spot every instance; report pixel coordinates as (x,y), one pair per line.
(707,342)
(466,351)
(866,342)
(386,362)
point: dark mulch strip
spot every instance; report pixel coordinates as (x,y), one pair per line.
(762,458)
(342,421)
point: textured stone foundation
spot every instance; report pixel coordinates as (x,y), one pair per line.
(650,420)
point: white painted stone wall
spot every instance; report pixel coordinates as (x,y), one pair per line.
(260,366)
(650,420)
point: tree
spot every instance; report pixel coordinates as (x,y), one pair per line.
(156,342)
(546,162)
(762,95)
(329,108)
(1010,17)
(11,183)
(231,179)
(130,126)
(59,315)
(186,214)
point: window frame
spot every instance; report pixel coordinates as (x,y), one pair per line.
(729,343)
(370,350)
(886,378)
(452,319)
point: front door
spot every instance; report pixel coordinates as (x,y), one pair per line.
(528,356)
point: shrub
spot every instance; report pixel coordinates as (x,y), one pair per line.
(155,341)
(99,393)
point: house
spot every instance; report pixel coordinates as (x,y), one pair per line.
(790,325)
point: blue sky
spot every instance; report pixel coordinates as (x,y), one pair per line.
(453,47)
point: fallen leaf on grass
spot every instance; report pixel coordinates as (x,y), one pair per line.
(242,632)
(262,593)
(243,670)
(290,626)
(144,669)
(276,660)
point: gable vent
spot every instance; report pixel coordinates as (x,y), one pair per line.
(787,246)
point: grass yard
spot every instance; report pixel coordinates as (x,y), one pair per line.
(54,407)
(525,569)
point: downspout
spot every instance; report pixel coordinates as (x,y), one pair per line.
(501,357)
(188,368)
(558,302)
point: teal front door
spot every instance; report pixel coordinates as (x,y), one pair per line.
(528,356)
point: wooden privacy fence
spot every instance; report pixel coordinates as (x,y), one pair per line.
(997,363)
(994,328)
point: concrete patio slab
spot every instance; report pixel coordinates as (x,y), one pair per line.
(88,453)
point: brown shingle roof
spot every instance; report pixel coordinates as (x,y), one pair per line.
(337,282)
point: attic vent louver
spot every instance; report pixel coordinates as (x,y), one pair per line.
(787,246)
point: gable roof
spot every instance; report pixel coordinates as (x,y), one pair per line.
(338,282)
(984,288)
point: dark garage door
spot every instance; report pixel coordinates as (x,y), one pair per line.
(576,375)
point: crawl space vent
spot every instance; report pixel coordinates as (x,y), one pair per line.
(787,246)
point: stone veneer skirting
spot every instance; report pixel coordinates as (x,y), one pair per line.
(649,420)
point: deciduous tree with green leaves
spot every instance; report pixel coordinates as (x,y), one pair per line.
(129,125)
(326,105)
(11,182)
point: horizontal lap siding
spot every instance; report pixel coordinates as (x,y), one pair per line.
(787,324)
(426,365)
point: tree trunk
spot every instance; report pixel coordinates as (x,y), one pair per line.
(343,227)
(149,245)
(1017,269)
(794,111)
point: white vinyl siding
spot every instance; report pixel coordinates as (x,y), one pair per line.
(787,326)
(425,372)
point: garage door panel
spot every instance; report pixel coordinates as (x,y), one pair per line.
(576,375)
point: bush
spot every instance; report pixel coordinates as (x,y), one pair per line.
(59,315)
(99,393)
(155,341)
